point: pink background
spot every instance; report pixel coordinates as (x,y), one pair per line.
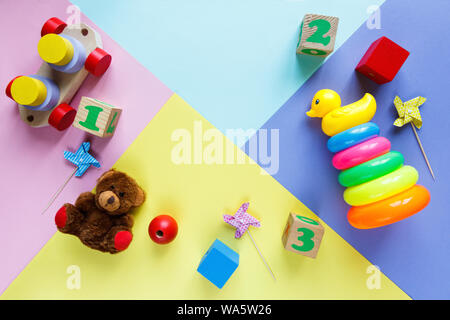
(32,164)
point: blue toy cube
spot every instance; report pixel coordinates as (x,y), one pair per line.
(218,263)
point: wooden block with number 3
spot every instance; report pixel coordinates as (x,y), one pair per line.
(97,117)
(302,235)
(317,35)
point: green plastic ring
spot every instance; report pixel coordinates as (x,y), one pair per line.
(372,169)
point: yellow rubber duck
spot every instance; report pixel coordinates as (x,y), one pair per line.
(326,104)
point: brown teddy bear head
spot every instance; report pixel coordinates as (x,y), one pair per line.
(117,193)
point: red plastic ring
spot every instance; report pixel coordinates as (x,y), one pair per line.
(62,116)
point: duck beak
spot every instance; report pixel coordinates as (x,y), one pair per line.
(312,113)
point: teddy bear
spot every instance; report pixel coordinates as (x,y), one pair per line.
(102,220)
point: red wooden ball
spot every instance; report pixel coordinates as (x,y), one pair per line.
(163,229)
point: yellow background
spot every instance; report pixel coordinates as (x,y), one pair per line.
(197,196)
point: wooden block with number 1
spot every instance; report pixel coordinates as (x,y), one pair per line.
(317,35)
(97,117)
(302,235)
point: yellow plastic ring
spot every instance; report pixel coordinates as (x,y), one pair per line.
(382,187)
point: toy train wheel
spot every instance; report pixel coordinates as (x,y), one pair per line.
(53,25)
(62,117)
(8,88)
(98,62)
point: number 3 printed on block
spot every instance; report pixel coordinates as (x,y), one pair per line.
(306,237)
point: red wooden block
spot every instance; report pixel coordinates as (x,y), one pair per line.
(382,61)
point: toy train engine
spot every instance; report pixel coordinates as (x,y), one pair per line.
(69,53)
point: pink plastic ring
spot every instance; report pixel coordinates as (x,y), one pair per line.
(360,153)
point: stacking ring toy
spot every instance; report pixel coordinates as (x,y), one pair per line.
(380,189)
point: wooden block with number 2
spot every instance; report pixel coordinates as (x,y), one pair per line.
(302,235)
(317,35)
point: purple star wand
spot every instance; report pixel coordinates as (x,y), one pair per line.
(242,221)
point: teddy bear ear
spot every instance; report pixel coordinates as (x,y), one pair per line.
(140,198)
(106,174)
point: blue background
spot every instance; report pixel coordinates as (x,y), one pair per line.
(413,253)
(234,61)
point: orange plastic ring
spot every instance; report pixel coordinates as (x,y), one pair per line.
(390,210)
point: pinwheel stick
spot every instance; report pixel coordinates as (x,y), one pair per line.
(423,151)
(260,254)
(60,189)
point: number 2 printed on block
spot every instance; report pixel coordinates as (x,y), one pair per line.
(317,35)
(323,26)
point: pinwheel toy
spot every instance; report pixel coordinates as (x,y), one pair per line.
(408,112)
(242,221)
(82,160)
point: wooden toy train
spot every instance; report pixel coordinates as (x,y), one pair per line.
(70,53)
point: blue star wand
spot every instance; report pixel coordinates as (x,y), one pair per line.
(82,160)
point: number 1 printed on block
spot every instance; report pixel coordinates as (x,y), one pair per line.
(97,117)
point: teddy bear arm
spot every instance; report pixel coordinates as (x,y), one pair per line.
(125,220)
(72,221)
(85,202)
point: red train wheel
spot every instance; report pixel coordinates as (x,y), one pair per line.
(98,62)
(62,117)
(8,88)
(53,25)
